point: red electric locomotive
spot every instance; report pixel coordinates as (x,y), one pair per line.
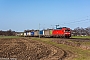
(62,32)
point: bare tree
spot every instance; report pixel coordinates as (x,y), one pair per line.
(81,31)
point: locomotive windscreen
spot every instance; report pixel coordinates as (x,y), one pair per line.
(67,30)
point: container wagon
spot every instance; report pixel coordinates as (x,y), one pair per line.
(36,33)
(48,33)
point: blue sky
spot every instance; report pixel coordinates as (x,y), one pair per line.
(19,15)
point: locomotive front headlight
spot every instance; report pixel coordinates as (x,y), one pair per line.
(65,33)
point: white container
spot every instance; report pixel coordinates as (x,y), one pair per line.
(25,34)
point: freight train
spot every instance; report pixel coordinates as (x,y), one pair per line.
(63,32)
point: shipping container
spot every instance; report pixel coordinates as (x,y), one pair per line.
(50,32)
(36,33)
(46,32)
(25,34)
(41,32)
(21,34)
(32,33)
(28,33)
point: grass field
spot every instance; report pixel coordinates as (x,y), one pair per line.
(81,37)
(9,37)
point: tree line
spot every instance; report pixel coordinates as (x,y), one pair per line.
(7,33)
(81,31)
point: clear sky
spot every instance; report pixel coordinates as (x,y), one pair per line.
(19,15)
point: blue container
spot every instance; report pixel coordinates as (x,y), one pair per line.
(26,33)
(32,33)
(41,32)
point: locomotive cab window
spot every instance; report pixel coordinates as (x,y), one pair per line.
(67,30)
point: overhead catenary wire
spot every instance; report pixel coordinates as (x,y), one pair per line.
(73,22)
(79,20)
(76,21)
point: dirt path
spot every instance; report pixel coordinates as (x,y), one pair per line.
(24,49)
